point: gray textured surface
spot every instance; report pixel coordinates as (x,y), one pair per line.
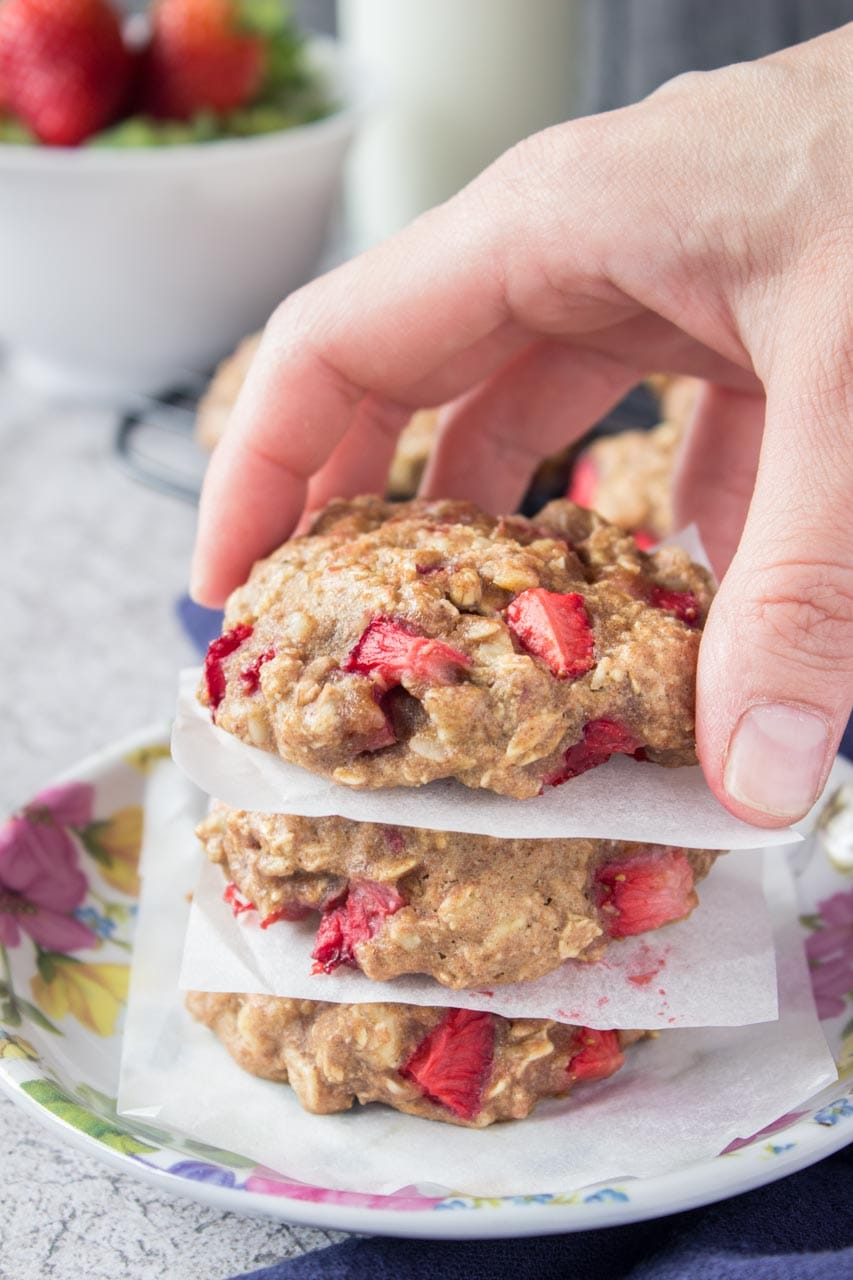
(90,566)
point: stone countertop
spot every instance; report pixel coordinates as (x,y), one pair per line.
(91,564)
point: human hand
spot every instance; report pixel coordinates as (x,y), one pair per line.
(706,230)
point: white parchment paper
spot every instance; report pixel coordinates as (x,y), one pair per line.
(680,1098)
(621,800)
(716,969)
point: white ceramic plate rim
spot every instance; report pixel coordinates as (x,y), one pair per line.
(700,1183)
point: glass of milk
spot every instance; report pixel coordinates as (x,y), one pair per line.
(463,80)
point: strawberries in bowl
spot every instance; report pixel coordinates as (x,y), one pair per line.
(199,70)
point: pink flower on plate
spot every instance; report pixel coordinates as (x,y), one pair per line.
(830,953)
(40,880)
(407,1200)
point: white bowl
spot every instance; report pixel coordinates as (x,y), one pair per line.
(128,271)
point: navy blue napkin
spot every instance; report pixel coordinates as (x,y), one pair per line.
(800,1228)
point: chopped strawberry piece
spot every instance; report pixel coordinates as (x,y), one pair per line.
(236,901)
(683,604)
(355,920)
(645,891)
(555,628)
(251,677)
(644,540)
(451,1064)
(287,911)
(601,740)
(583,488)
(598,1057)
(218,650)
(390,651)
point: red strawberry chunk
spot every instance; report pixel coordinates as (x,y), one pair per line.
(583,488)
(236,901)
(683,604)
(601,740)
(218,650)
(451,1064)
(645,891)
(598,1055)
(390,651)
(644,540)
(356,919)
(555,628)
(251,677)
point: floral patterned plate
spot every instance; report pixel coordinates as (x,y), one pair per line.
(68,887)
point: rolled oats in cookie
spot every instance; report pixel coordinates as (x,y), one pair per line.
(470,911)
(397,644)
(454,1065)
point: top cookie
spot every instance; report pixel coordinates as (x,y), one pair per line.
(397,644)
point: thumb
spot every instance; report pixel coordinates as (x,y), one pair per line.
(775,679)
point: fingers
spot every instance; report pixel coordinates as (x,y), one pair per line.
(491,441)
(715,472)
(775,681)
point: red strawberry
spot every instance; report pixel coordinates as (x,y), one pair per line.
(200,59)
(390,650)
(555,628)
(217,651)
(644,540)
(63,66)
(583,488)
(599,1055)
(251,677)
(451,1064)
(601,740)
(645,891)
(355,920)
(683,604)
(238,904)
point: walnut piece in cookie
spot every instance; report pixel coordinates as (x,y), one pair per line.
(454,1065)
(397,644)
(470,911)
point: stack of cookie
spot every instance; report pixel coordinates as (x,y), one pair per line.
(400,644)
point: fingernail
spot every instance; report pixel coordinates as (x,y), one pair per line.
(776,758)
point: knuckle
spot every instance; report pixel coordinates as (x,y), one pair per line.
(805,609)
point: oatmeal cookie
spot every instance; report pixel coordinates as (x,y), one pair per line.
(470,911)
(397,644)
(454,1065)
(628,478)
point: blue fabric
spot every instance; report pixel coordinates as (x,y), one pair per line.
(800,1228)
(201,625)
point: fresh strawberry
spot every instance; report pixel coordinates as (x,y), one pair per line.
(217,651)
(583,488)
(251,677)
(200,59)
(451,1064)
(598,1056)
(390,651)
(238,904)
(555,628)
(354,920)
(683,604)
(63,67)
(601,740)
(645,891)
(644,540)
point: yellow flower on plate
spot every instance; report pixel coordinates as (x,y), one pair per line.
(12,1046)
(94,994)
(115,844)
(143,759)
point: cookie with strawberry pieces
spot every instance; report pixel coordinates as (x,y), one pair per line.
(469,911)
(458,1066)
(397,644)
